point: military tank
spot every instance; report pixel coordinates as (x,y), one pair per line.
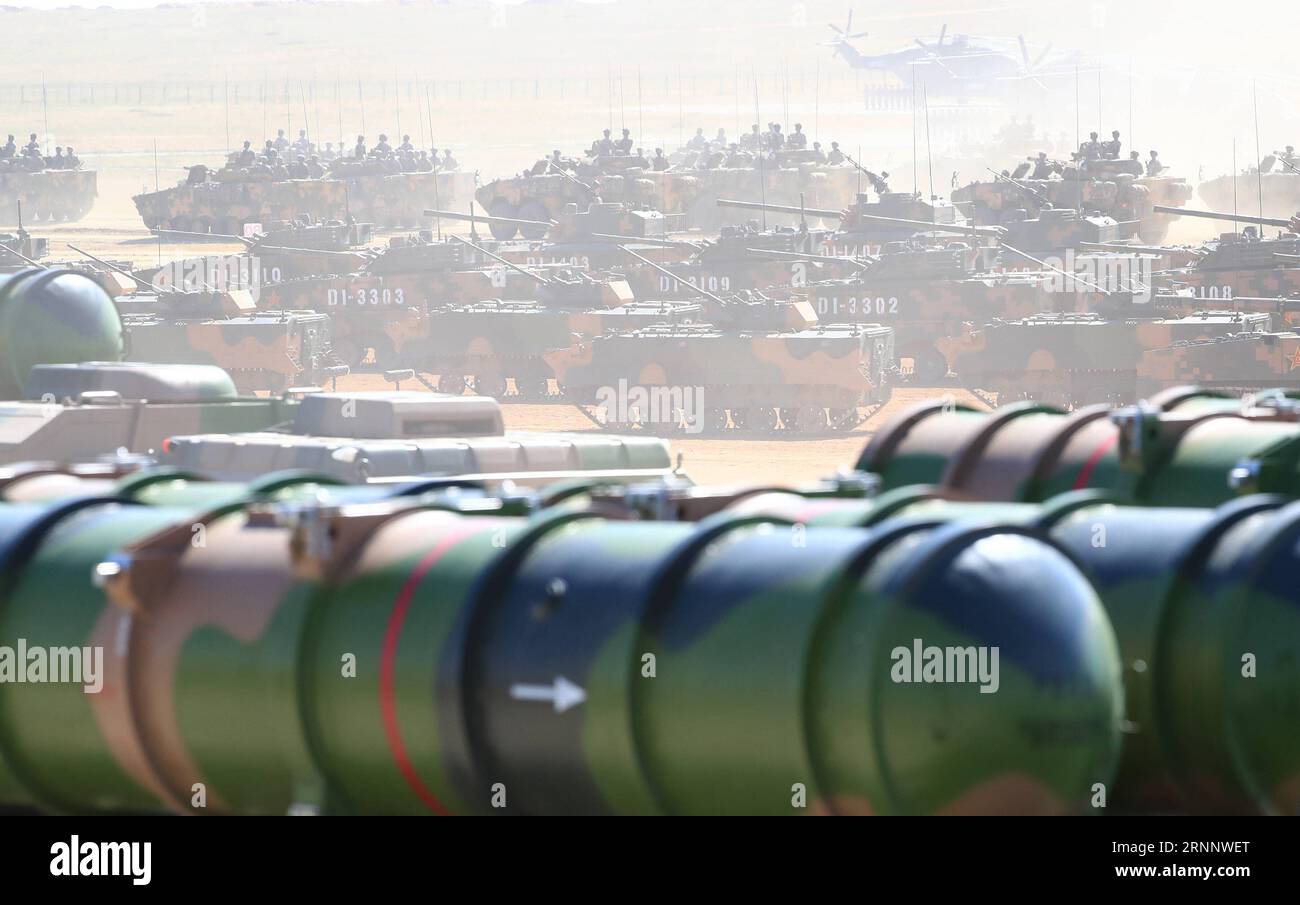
(1108,188)
(864,225)
(226,205)
(1278,187)
(1078,359)
(545,190)
(46,195)
(1241,263)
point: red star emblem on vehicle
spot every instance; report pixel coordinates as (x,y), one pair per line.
(1294,358)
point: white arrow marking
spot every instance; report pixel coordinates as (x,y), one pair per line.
(562,694)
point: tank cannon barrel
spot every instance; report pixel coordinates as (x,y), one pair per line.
(806,256)
(1215,215)
(991,232)
(782,208)
(189,232)
(486,218)
(645,240)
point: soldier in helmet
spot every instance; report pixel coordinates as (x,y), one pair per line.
(659,162)
(303,144)
(314,168)
(1043,168)
(70,160)
(1154,166)
(406,144)
(382,147)
(329,154)
(798,139)
(639,159)
(297,168)
(422,164)
(268,150)
(603,146)
(775,140)
(698,142)
(1111,149)
(1090,149)
(9,149)
(359,152)
(57,162)
(448,162)
(720,140)
(753,141)
(836,156)
(1288,158)
(281,143)
(246,156)
(33,147)
(819,156)
(198,174)
(624,144)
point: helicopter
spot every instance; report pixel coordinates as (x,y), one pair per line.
(959,65)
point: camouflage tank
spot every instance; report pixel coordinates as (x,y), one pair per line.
(1076,359)
(701,377)
(53,316)
(81,412)
(692,193)
(865,225)
(1241,263)
(1280,190)
(262,350)
(1123,196)
(1240,363)
(50,195)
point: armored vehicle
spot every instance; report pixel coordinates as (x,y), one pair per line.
(707,377)
(1077,359)
(45,194)
(1125,197)
(692,193)
(227,203)
(1279,188)
(865,225)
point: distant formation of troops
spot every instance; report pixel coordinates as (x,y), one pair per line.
(29,158)
(1090,155)
(700,153)
(280,159)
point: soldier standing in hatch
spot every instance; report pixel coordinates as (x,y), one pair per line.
(698,142)
(1090,149)
(382,147)
(659,163)
(753,142)
(624,144)
(1112,148)
(448,162)
(9,149)
(798,139)
(1154,166)
(247,156)
(359,152)
(281,143)
(819,156)
(1043,168)
(603,146)
(33,147)
(836,156)
(303,145)
(70,160)
(406,144)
